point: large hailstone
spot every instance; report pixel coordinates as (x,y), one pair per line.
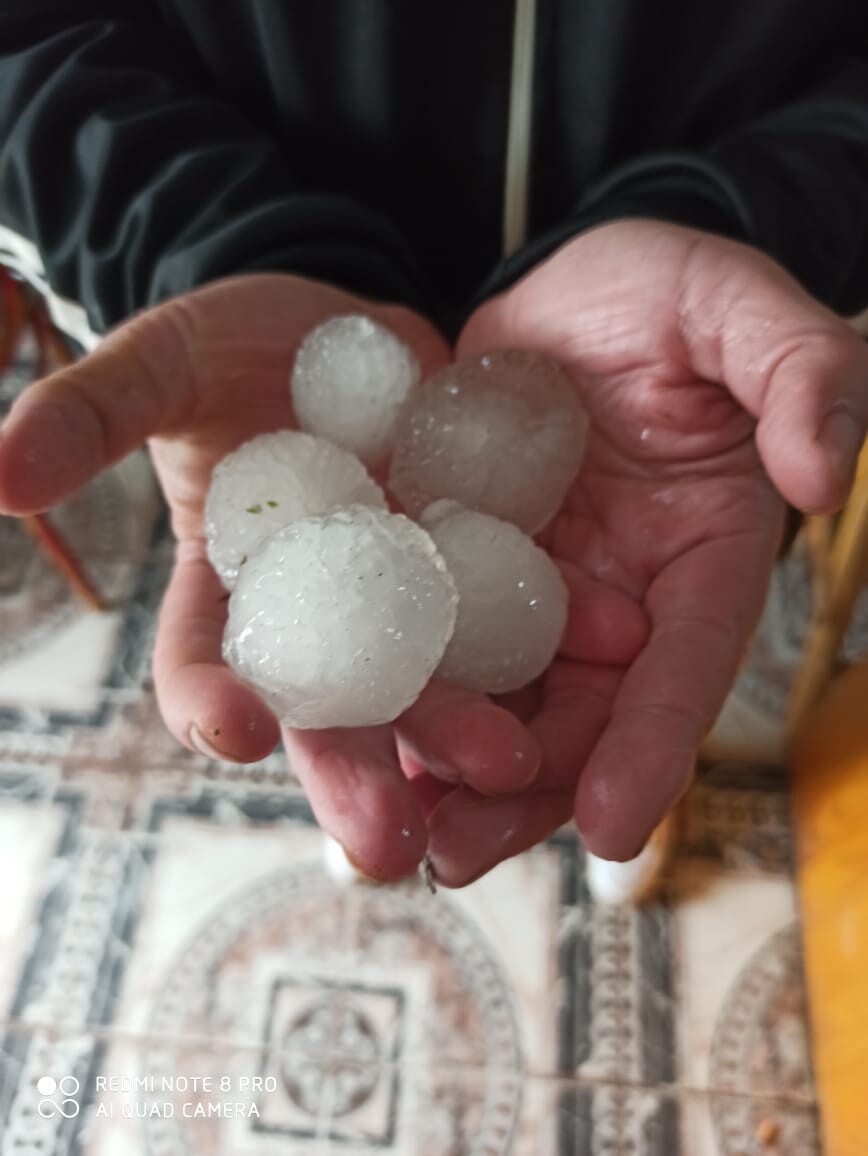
(340,621)
(512,607)
(504,434)
(350,383)
(271,481)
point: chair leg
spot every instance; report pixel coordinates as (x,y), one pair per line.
(840,584)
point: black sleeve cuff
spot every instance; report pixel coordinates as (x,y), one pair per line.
(683,190)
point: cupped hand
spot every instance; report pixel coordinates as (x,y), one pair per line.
(716,387)
(197,377)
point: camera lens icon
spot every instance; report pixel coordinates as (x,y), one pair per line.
(67,1086)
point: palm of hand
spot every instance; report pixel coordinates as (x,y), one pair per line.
(690,540)
(671,530)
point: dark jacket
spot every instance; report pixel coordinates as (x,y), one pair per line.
(149,146)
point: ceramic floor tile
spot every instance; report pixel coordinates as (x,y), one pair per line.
(721,1126)
(230,895)
(737,816)
(420,1111)
(478,967)
(734,938)
(131,1097)
(459,1114)
(244,904)
(67,889)
(617,1120)
(741,1005)
(70,678)
(31,830)
(618,1015)
(234,899)
(698,989)
(80,689)
(218,917)
(101,1096)
(611,1120)
(212,916)
(97,795)
(65,970)
(224,888)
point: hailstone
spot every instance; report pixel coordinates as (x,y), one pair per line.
(504,434)
(340,620)
(350,383)
(512,607)
(269,482)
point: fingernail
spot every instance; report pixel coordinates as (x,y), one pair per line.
(500,772)
(841,437)
(487,749)
(204,747)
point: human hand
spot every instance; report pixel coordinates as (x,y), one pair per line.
(715,384)
(197,377)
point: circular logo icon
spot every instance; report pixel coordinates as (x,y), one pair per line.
(67,1086)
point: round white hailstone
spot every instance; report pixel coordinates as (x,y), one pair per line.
(340,621)
(512,607)
(350,383)
(271,481)
(504,434)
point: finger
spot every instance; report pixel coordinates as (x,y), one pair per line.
(469,834)
(487,327)
(523,703)
(463,737)
(575,710)
(792,363)
(65,429)
(813,424)
(604,625)
(427,789)
(703,608)
(204,705)
(360,796)
(142,380)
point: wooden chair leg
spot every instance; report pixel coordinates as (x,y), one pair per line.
(839,584)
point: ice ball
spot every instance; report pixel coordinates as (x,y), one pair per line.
(269,482)
(340,620)
(350,383)
(512,607)
(504,434)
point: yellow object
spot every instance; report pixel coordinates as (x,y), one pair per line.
(830,793)
(840,562)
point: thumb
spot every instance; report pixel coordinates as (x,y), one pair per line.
(66,428)
(793,364)
(489,327)
(147,378)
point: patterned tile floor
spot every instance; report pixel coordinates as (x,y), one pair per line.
(180,975)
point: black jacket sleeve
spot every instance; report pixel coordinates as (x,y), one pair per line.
(124,179)
(794,183)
